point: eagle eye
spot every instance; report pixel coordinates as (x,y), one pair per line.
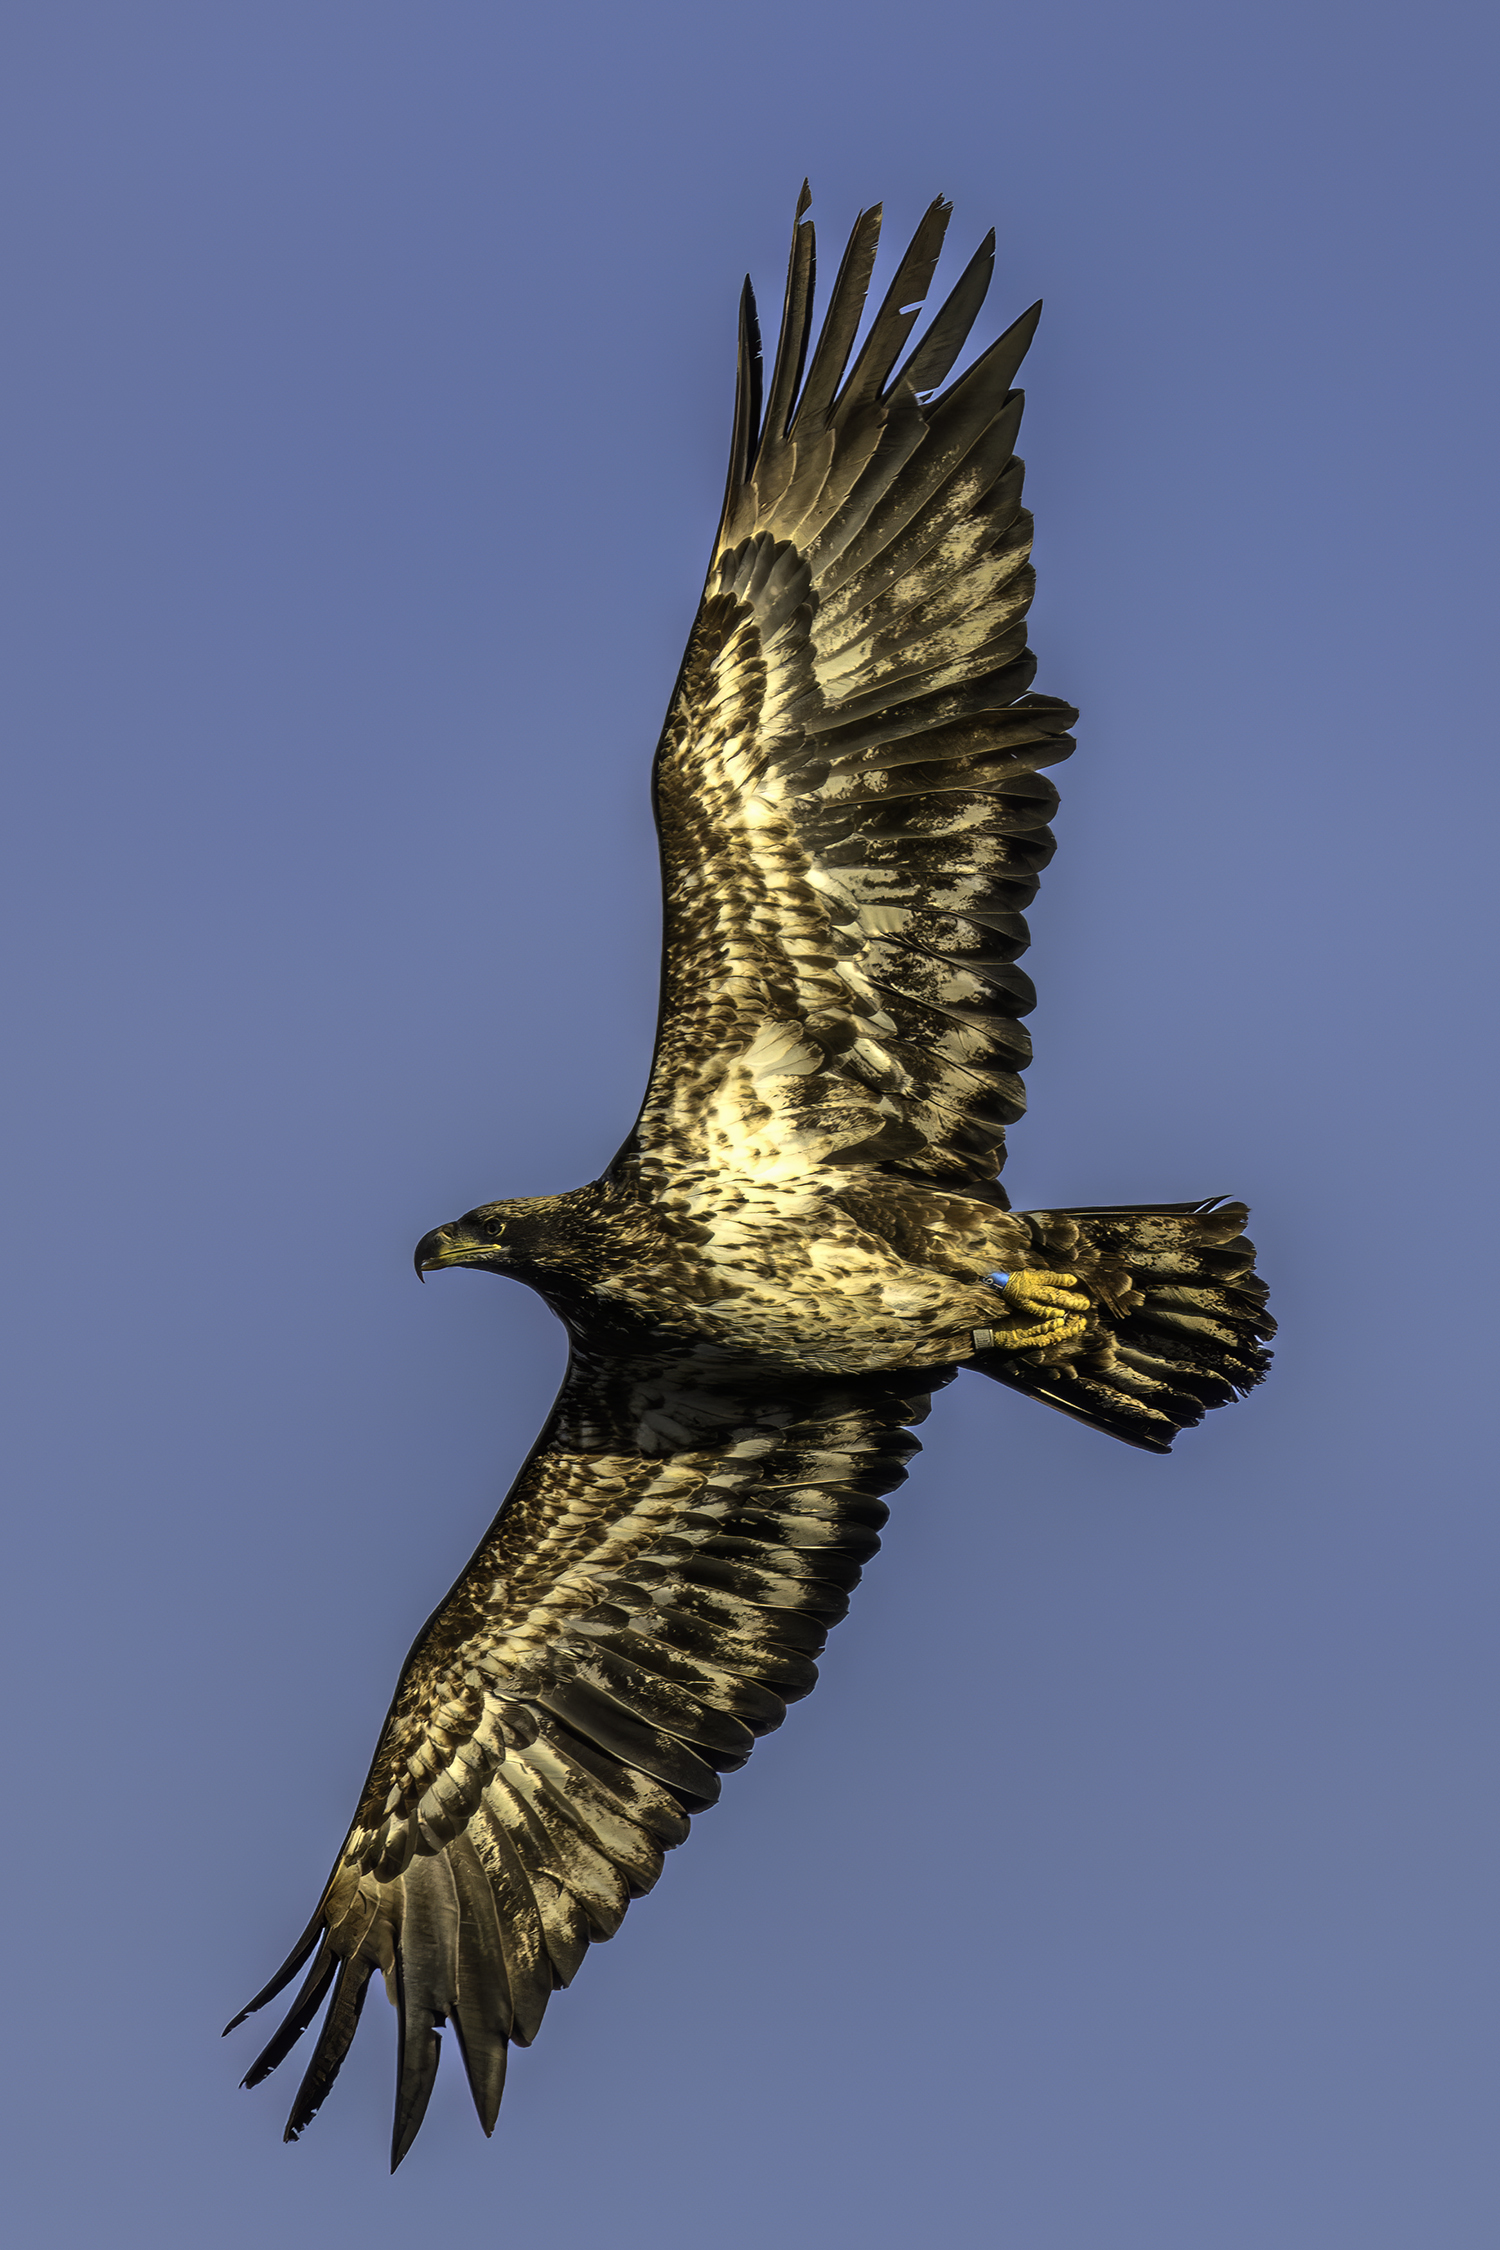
(494,1228)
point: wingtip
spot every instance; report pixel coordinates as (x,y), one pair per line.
(404,2140)
(804,199)
(750,320)
(283,1976)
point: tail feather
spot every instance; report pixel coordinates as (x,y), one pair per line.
(1179,1324)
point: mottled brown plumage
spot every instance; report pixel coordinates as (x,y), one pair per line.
(804,1236)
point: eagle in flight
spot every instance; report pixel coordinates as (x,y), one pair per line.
(804,1235)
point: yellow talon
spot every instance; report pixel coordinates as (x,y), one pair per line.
(1031,1336)
(1056,1292)
(1045,1308)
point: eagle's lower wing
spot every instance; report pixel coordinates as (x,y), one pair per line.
(651,1596)
(851,814)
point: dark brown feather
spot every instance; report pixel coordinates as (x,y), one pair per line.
(853,821)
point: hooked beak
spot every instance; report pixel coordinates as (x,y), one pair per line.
(439,1249)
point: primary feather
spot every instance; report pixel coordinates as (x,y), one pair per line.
(804,1235)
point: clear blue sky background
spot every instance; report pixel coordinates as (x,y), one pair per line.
(1131,1881)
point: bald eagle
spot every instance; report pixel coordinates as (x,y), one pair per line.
(804,1235)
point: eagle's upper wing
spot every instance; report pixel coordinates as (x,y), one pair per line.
(847,789)
(651,1596)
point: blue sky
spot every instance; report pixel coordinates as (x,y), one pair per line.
(1129,1882)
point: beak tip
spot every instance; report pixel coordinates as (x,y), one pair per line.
(429,1252)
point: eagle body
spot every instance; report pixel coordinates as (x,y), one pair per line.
(782,1271)
(804,1236)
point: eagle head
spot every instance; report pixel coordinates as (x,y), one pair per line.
(529,1231)
(477,1239)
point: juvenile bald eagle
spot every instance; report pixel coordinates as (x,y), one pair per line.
(804,1235)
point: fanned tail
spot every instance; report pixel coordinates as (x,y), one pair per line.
(1179,1326)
